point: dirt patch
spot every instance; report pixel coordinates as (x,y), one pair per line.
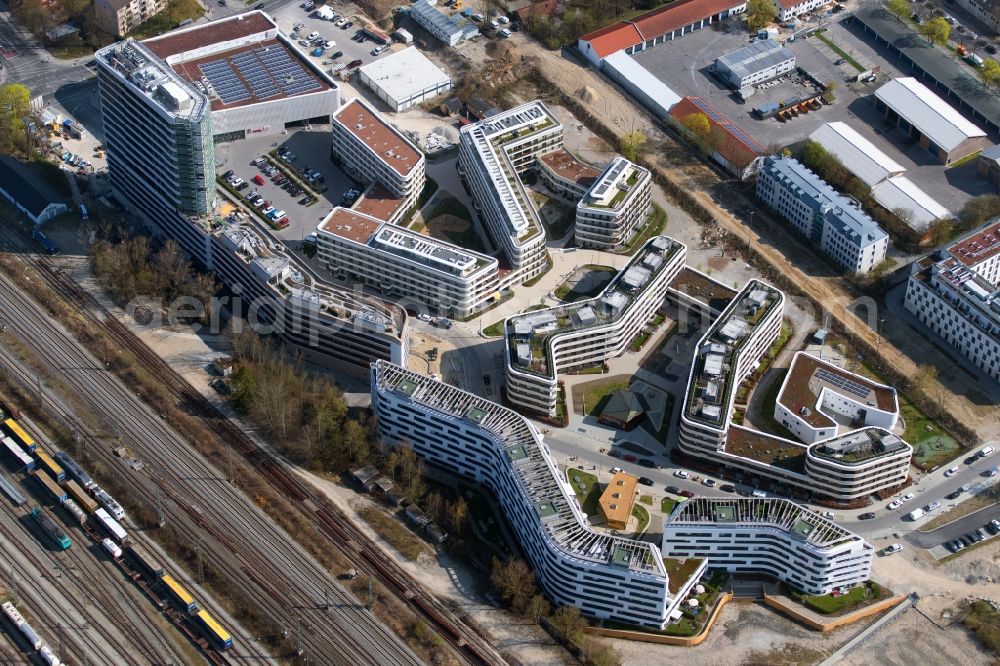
(442,225)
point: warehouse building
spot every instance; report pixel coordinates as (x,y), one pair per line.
(732,148)
(758,62)
(28,193)
(988,164)
(650,91)
(835,224)
(937,127)
(404,78)
(920,210)
(774,537)
(256,80)
(449,29)
(956,294)
(858,155)
(655,27)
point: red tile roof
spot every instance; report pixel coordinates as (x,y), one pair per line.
(543,8)
(207,34)
(738,147)
(653,24)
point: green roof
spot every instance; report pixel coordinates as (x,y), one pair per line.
(475,414)
(516,453)
(406,387)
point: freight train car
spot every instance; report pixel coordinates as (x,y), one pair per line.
(49,657)
(18,434)
(80,496)
(219,638)
(51,530)
(74,470)
(111,526)
(79,515)
(179,595)
(46,462)
(22,460)
(148,566)
(51,487)
(10,490)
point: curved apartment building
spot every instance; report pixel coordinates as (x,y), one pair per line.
(858,464)
(541,344)
(492,156)
(774,537)
(608,215)
(603,575)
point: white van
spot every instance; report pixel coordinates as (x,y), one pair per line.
(759,493)
(916,514)
(986,451)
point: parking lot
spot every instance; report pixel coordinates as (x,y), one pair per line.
(311,148)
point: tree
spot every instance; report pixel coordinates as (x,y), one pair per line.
(514,582)
(536,608)
(936,30)
(990,72)
(632,145)
(568,622)
(760,13)
(978,210)
(940,232)
(697,123)
(898,8)
(813,155)
(457,513)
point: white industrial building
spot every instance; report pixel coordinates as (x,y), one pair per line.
(817,398)
(651,92)
(604,575)
(956,294)
(835,224)
(404,78)
(492,156)
(372,150)
(791,9)
(858,155)
(902,193)
(756,63)
(449,29)
(774,537)
(937,126)
(256,80)
(404,264)
(542,343)
(614,207)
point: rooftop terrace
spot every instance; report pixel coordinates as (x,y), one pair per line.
(610,190)
(766,449)
(529,334)
(385,141)
(860,446)
(978,247)
(713,380)
(565,165)
(142,69)
(555,504)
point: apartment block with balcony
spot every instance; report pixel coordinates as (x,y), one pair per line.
(566,176)
(615,206)
(493,155)
(604,575)
(404,264)
(833,223)
(371,150)
(120,17)
(541,344)
(773,537)
(956,294)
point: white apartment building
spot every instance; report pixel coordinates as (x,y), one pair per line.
(790,9)
(858,464)
(449,29)
(371,150)
(613,208)
(120,17)
(835,224)
(956,294)
(493,154)
(758,62)
(543,343)
(816,398)
(566,176)
(404,264)
(605,576)
(774,537)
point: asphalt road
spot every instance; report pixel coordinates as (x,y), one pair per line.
(955,529)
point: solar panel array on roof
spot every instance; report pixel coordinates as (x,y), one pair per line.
(261,84)
(843,383)
(227,85)
(724,122)
(270,71)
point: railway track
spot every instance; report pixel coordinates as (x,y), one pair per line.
(228,550)
(328,519)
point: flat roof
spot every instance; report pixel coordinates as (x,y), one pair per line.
(378,202)
(856,153)
(901,192)
(567,166)
(932,63)
(350,225)
(809,375)
(978,246)
(732,139)
(204,35)
(755,57)
(381,138)
(766,449)
(30,191)
(643,79)
(929,114)
(403,74)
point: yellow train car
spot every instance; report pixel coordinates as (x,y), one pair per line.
(46,462)
(20,436)
(179,594)
(219,638)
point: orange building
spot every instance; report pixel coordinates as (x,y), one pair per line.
(617,499)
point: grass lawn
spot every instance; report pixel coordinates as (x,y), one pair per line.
(654,227)
(646,499)
(667,505)
(587,489)
(69,47)
(858,596)
(594,276)
(467,238)
(176,11)
(641,515)
(765,416)
(679,570)
(819,34)
(589,399)
(393,531)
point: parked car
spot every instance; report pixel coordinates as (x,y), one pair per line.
(646,462)
(840,62)
(993,526)
(759,494)
(504,33)
(282,223)
(312,35)
(338,54)
(828,514)
(985,451)
(353,64)
(423,316)
(951,471)
(933,506)
(681,474)
(645,480)
(229,174)
(894,504)
(616,470)
(868,515)
(673,490)
(708,483)
(907,497)
(614,453)
(894,548)
(954,494)
(347,25)
(687,493)
(257,179)
(992,471)
(629,458)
